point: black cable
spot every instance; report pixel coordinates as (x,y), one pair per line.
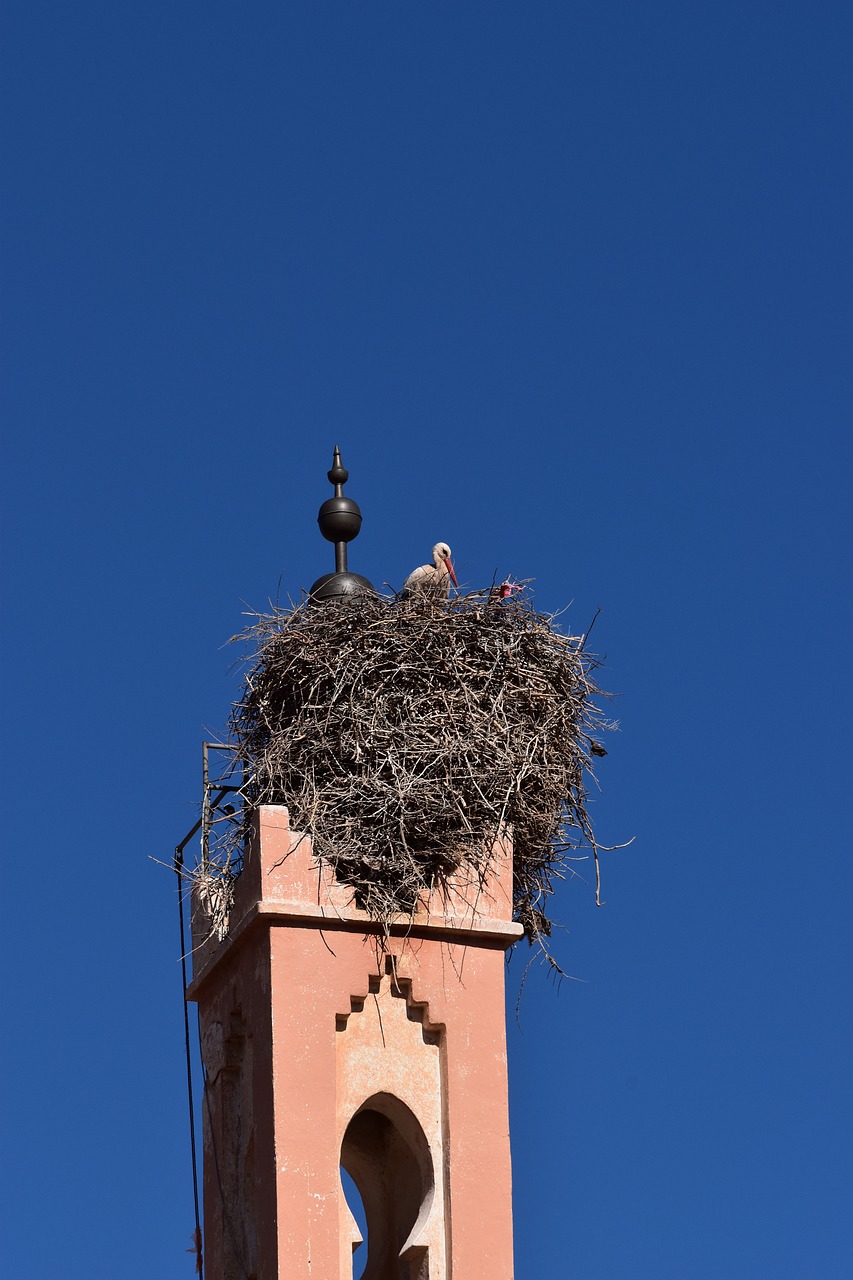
(179,862)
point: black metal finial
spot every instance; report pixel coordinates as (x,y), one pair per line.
(340,521)
(338,475)
(339,518)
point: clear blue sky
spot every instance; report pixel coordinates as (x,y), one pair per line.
(570,285)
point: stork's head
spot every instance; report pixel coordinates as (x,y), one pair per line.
(441,560)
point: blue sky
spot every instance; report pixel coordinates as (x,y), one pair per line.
(570,285)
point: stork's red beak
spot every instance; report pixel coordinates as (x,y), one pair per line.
(450,571)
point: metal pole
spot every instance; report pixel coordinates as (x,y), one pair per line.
(179,867)
(205,807)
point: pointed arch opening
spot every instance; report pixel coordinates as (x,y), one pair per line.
(385,1152)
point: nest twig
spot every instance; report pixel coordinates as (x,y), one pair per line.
(405,736)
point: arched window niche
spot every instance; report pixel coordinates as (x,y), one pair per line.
(386,1153)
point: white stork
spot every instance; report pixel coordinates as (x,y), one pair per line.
(435,578)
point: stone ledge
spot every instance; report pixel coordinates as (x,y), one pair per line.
(460,929)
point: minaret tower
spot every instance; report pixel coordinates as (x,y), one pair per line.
(330,1042)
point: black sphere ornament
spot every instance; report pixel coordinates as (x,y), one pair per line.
(340,521)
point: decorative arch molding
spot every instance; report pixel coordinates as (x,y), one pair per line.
(401,989)
(392,1130)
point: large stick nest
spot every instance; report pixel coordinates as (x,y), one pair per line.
(406,735)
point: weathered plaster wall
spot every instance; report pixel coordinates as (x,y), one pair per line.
(296,964)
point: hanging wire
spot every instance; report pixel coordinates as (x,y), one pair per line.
(197,1238)
(213,793)
(209,804)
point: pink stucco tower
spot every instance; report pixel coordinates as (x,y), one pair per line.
(329,1042)
(328,1045)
